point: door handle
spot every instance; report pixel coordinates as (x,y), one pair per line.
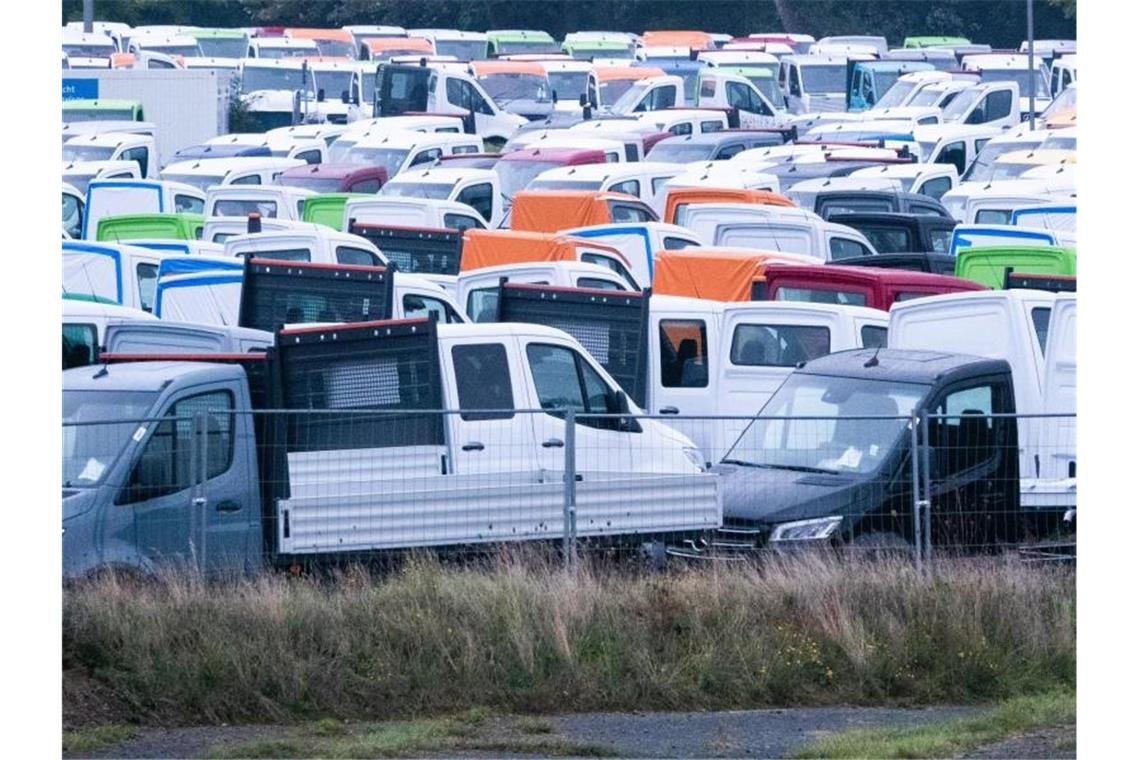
(668,410)
(473,446)
(228,505)
(552,443)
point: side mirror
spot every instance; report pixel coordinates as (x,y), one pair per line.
(321,95)
(582,101)
(554,97)
(344,97)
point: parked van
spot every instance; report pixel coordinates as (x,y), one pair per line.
(399,151)
(79,174)
(73,212)
(492,248)
(318,245)
(203,174)
(335,178)
(477,188)
(775,228)
(120,274)
(679,199)
(425,213)
(112,197)
(605,85)
(477,291)
(813,83)
(519,87)
(114,146)
(327,208)
(268,201)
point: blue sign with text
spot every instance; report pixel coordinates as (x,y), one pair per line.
(80,89)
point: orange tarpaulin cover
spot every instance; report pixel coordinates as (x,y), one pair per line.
(716,274)
(553,210)
(484,68)
(698,40)
(489,248)
(685,195)
(611,73)
(384,44)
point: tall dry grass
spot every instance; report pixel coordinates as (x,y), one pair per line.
(525,638)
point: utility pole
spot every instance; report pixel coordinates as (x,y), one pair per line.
(88,16)
(1032,68)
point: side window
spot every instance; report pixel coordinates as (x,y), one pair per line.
(684,128)
(283,254)
(139,156)
(940,240)
(954,153)
(964,437)
(992,216)
(613,265)
(555,374)
(631,152)
(72,215)
(676,243)
(478,197)
(998,104)
(188,204)
(873,336)
(708,88)
(1040,316)
(935,187)
(148,279)
(346,254)
(842,248)
(664,97)
(425,156)
(365,186)
(778,345)
(482,381)
(612,158)
(252,179)
(625,212)
(595,283)
(456,94)
(461,222)
(737,95)
(629,187)
(166,465)
(483,304)
(794,82)
(711,126)
(457,150)
(684,353)
(416,306)
(728,151)
(80,345)
(757,105)
(657,183)
(309,156)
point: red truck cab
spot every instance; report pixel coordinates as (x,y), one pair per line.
(335,178)
(517,168)
(855,286)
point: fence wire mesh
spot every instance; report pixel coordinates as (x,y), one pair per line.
(221,490)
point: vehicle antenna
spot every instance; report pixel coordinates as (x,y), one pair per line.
(874,360)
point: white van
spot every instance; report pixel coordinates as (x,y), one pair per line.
(113,197)
(268,201)
(204,173)
(399,151)
(477,188)
(775,228)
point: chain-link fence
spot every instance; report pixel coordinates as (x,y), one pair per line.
(222,490)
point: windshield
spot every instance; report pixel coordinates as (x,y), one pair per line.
(928,96)
(507,87)
(516,175)
(97,114)
(89,50)
(223,47)
(336,49)
(568,84)
(983,167)
(896,95)
(200,181)
(438,191)
(87,153)
(679,152)
(464,50)
(824,79)
(1009,170)
(90,449)
(861,424)
(957,109)
(317,184)
(259,78)
(1060,142)
(517,47)
(390,158)
(884,80)
(275,53)
(565,184)
(614,90)
(770,88)
(1024,79)
(334,83)
(188,51)
(633,93)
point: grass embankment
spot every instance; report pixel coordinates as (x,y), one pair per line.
(952,738)
(519,639)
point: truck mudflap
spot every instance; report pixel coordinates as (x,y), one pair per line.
(375,511)
(276,293)
(419,250)
(612,325)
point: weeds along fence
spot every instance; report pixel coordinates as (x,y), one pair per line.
(223,490)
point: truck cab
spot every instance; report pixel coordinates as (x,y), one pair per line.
(268,201)
(206,173)
(855,286)
(318,245)
(400,151)
(79,174)
(774,228)
(868,81)
(639,179)
(113,146)
(426,213)
(519,87)
(813,83)
(335,178)
(895,232)
(86,320)
(477,188)
(477,291)
(120,274)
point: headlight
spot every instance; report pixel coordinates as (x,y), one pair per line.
(806,530)
(695,456)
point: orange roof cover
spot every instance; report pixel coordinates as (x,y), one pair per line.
(485,68)
(716,275)
(553,210)
(613,73)
(698,40)
(686,195)
(489,248)
(385,44)
(319,34)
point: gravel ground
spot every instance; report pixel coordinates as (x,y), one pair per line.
(743,733)
(1060,743)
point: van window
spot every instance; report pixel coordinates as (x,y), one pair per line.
(346,254)
(80,345)
(416,306)
(188,204)
(684,353)
(235,207)
(778,345)
(708,88)
(167,464)
(365,186)
(935,187)
(458,150)
(613,265)
(953,153)
(627,212)
(482,381)
(483,304)
(222,237)
(72,215)
(1040,316)
(940,240)
(252,179)
(138,155)
(630,152)
(728,151)
(479,197)
(711,126)
(676,243)
(888,239)
(612,158)
(684,128)
(819,295)
(148,279)
(629,187)
(283,254)
(596,283)
(309,156)
(426,156)
(657,183)
(564,380)
(992,216)
(461,222)
(873,336)
(842,248)
(965,437)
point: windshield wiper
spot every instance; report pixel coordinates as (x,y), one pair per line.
(799,468)
(739,462)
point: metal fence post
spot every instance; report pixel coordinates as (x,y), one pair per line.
(916,495)
(199,467)
(927,496)
(569,521)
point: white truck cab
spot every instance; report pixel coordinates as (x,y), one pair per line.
(311,150)
(814,83)
(79,174)
(1013,67)
(991,103)
(426,213)
(477,188)
(953,143)
(282,47)
(268,201)
(319,245)
(477,290)
(219,229)
(114,146)
(641,179)
(638,243)
(399,151)
(775,228)
(205,173)
(933,179)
